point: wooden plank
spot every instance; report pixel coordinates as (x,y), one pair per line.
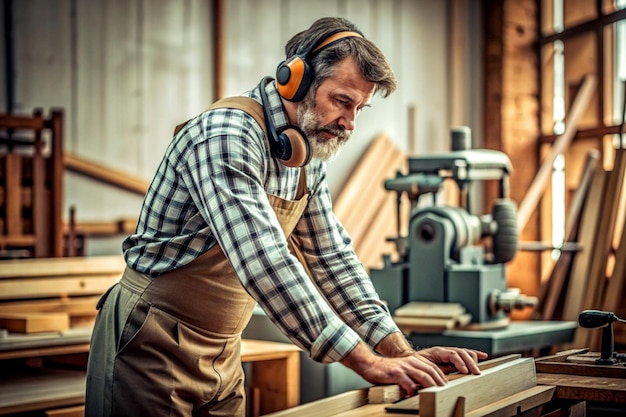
(552,290)
(75,306)
(352,190)
(99,172)
(590,388)
(603,244)
(372,198)
(77,411)
(328,406)
(616,287)
(34,322)
(431,324)
(57,286)
(48,267)
(373,244)
(582,260)
(516,404)
(568,364)
(479,390)
(533,195)
(601,247)
(111,228)
(412,404)
(385,394)
(430,309)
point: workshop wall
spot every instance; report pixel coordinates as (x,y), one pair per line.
(126,72)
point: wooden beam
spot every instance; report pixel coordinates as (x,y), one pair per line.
(122,180)
(532,197)
(492,385)
(46,267)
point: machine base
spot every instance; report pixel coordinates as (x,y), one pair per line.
(519,336)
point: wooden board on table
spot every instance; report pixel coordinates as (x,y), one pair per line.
(578,362)
(493,384)
(412,403)
(327,406)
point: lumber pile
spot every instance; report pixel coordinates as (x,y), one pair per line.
(54,294)
(593,277)
(430,317)
(365,208)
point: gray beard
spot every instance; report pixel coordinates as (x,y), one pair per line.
(321,148)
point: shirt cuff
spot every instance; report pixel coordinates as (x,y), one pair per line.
(373,331)
(335,342)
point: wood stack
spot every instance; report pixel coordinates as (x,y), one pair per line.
(53,294)
(593,277)
(364,207)
(425,317)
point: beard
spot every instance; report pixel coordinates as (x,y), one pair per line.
(321,148)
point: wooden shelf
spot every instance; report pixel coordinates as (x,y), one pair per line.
(40,389)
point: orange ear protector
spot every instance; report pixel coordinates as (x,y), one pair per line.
(294,76)
(290,145)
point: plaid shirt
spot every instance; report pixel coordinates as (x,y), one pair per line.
(211,188)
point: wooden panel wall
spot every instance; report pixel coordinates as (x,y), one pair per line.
(127,71)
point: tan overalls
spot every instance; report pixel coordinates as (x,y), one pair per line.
(170,346)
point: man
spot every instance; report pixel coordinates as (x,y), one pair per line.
(239,213)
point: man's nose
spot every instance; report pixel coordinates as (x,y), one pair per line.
(348,120)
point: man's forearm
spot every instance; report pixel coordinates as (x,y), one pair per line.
(395,345)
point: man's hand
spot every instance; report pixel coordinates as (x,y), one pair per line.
(450,359)
(421,369)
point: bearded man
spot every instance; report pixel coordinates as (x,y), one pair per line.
(238,214)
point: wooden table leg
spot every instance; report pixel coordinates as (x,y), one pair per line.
(278,382)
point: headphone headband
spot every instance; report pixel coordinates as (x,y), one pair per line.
(334,38)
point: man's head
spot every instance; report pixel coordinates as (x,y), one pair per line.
(345,74)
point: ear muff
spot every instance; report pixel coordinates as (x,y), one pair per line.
(290,146)
(294,76)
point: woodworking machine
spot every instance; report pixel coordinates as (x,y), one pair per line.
(449,254)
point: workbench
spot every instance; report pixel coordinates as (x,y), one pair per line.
(274,382)
(572,389)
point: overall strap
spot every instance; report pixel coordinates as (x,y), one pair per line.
(247,104)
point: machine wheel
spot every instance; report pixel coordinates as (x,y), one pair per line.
(506,238)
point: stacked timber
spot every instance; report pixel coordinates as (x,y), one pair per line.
(430,317)
(365,208)
(594,275)
(54,294)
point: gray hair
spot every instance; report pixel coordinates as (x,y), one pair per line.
(371,61)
